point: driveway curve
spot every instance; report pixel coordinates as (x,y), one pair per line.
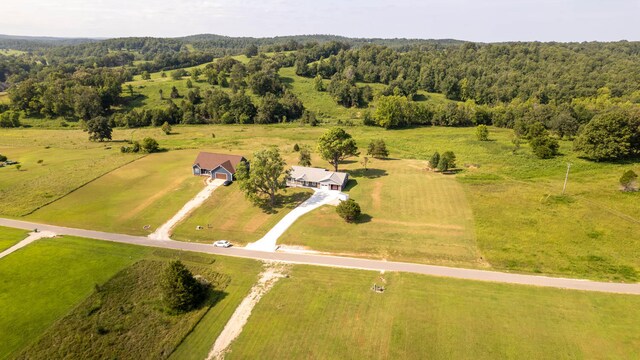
(342,262)
(269,240)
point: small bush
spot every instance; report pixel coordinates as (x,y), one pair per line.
(166,128)
(544,147)
(150,145)
(447,161)
(349,210)
(482,132)
(296,148)
(628,181)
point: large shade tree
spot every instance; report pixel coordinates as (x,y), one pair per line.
(264,177)
(337,145)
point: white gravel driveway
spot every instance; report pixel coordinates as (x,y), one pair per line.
(319,198)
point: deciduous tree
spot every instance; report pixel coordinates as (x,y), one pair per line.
(264,177)
(99,129)
(336,145)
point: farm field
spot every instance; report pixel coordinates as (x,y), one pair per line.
(228,215)
(48,279)
(328,313)
(10,237)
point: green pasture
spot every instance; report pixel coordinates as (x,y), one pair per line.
(45,280)
(322,313)
(147,192)
(502,210)
(53,164)
(10,237)
(45,285)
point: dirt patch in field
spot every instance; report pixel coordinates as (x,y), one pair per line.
(269,276)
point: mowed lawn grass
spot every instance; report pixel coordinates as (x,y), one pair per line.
(409,214)
(45,280)
(148,191)
(228,215)
(67,161)
(10,237)
(321,313)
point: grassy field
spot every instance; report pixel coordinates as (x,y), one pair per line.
(228,215)
(67,159)
(321,313)
(516,220)
(10,237)
(45,281)
(146,192)
(126,318)
(409,214)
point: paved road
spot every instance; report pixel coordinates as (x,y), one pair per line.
(343,262)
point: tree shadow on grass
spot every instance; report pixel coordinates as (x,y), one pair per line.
(283,201)
(137,101)
(213,297)
(363,219)
(368,173)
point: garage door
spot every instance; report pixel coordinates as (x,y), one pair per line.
(222,176)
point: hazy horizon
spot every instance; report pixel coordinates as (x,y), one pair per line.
(490,21)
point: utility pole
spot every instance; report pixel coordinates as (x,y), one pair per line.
(566,178)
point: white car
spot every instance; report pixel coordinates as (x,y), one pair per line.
(222,243)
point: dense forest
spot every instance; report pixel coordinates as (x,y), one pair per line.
(544,91)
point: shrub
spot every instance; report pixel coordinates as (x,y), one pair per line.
(349,210)
(447,161)
(628,180)
(150,145)
(166,128)
(544,147)
(482,132)
(296,147)
(378,149)
(435,160)
(3,158)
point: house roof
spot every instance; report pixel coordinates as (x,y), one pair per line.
(210,161)
(317,175)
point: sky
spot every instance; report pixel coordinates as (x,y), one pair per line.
(484,21)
